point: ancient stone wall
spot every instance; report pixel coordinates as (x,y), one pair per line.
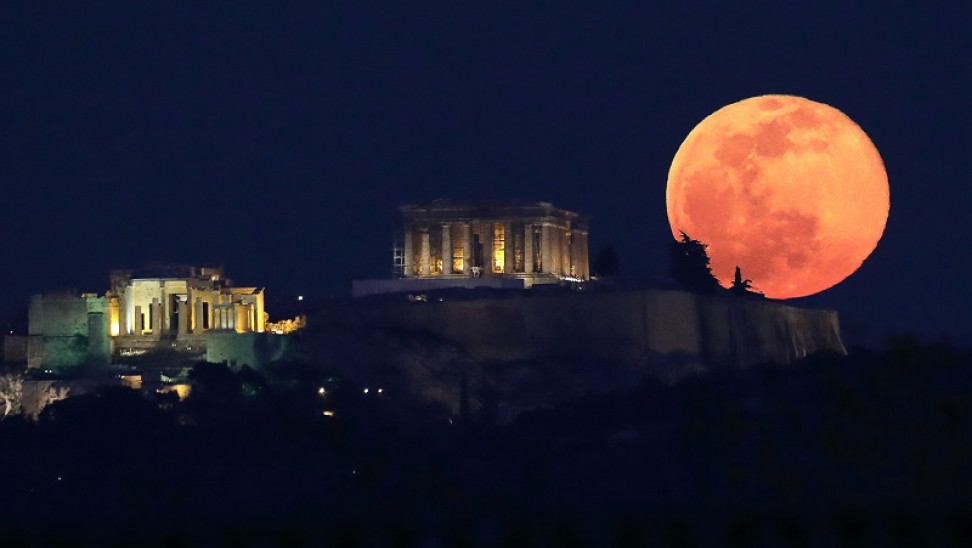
(66,331)
(253,349)
(57,315)
(14,348)
(57,331)
(622,326)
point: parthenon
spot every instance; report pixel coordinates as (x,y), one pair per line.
(537,242)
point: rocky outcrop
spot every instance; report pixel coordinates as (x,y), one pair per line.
(626,326)
(512,352)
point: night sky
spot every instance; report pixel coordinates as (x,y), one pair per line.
(278,141)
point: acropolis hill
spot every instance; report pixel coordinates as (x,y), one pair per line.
(493,300)
(529,249)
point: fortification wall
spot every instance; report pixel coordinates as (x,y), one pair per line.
(57,315)
(66,331)
(252,349)
(624,326)
(14,348)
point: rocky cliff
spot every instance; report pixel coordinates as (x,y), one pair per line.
(626,326)
(527,349)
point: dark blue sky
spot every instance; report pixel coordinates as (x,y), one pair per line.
(279,140)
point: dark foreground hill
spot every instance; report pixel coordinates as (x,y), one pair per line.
(871,448)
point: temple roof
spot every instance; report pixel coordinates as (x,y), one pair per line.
(448,210)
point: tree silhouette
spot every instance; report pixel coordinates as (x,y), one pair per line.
(214,382)
(743,287)
(606,263)
(689,265)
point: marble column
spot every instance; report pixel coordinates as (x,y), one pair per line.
(123,314)
(576,254)
(546,248)
(425,260)
(197,323)
(183,317)
(584,258)
(242,318)
(486,238)
(137,324)
(509,255)
(528,248)
(446,249)
(554,267)
(156,316)
(408,268)
(467,251)
(565,253)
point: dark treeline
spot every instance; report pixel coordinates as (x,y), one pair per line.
(870,447)
(690,266)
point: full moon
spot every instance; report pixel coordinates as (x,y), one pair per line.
(790,190)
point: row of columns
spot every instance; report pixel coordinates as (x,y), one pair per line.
(425,250)
(224,315)
(559,254)
(154,318)
(235,316)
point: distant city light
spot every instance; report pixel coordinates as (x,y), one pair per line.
(321,391)
(365,390)
(300,297)
(380,390)
(328,413)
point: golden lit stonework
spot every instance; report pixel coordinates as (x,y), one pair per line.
(444,244)
(181,300)
(176,308)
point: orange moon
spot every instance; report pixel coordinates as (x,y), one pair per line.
(790,190)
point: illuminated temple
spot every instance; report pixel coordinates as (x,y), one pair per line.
(444,244)
(180,300)
(171,307)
